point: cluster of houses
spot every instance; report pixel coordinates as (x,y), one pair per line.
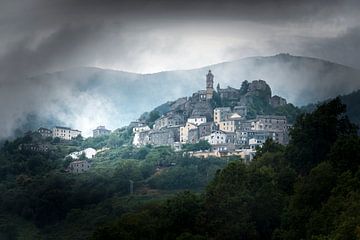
(227,129)
(65,133)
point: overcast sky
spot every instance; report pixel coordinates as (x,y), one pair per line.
(149,36)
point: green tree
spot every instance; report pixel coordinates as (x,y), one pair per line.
(153,116)
(314,133)
(244,87)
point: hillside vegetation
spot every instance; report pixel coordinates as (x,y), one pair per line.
(306,190)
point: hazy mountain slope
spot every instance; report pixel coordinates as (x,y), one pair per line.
(86,97)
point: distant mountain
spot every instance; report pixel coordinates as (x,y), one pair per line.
(86,97)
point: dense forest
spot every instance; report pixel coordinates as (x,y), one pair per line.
(308,189)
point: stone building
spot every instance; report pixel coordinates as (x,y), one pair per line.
(141,128)
(170,120)
(163,137)
(277,101)
(269,123)
(141,138)
(33,147)
(44,132)
(259,137)
(137,123)
(209,85)
(241,110)
(202,109)
(199,96)
(79,166)
(184,131)
(193,135)
(221,114)
(101,131)
(229,93)
(216,137)
(227,126)
(141,134)
(233,123)
(223,148)
(197,120)
(206,128)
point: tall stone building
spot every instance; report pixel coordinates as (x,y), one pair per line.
(209,85)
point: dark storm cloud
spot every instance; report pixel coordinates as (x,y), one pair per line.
(68,26)
(66,43)
(255,10)
(344,48)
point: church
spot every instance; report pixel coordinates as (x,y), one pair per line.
(205,95)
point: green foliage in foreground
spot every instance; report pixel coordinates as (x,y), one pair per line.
(42,201)
(199,146)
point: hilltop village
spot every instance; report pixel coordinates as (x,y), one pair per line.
(225,122)
(219,117)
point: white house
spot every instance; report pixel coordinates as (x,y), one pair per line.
(142,128)
(216,137)
(253,143)
(65,133)
(197,120)
(184,131)
(227,126)
(89,153)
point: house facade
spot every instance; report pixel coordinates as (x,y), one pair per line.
(45,132)
(101,131)
(65,133)
(79,166)
(216,137)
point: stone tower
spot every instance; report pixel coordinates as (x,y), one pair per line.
(209,85)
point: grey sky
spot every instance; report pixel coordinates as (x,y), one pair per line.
(149,36)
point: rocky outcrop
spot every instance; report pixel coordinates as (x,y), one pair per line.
(259,88)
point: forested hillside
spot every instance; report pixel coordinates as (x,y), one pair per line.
(40,199)
(308,189)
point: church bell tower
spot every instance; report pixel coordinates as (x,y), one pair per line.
(209,85)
